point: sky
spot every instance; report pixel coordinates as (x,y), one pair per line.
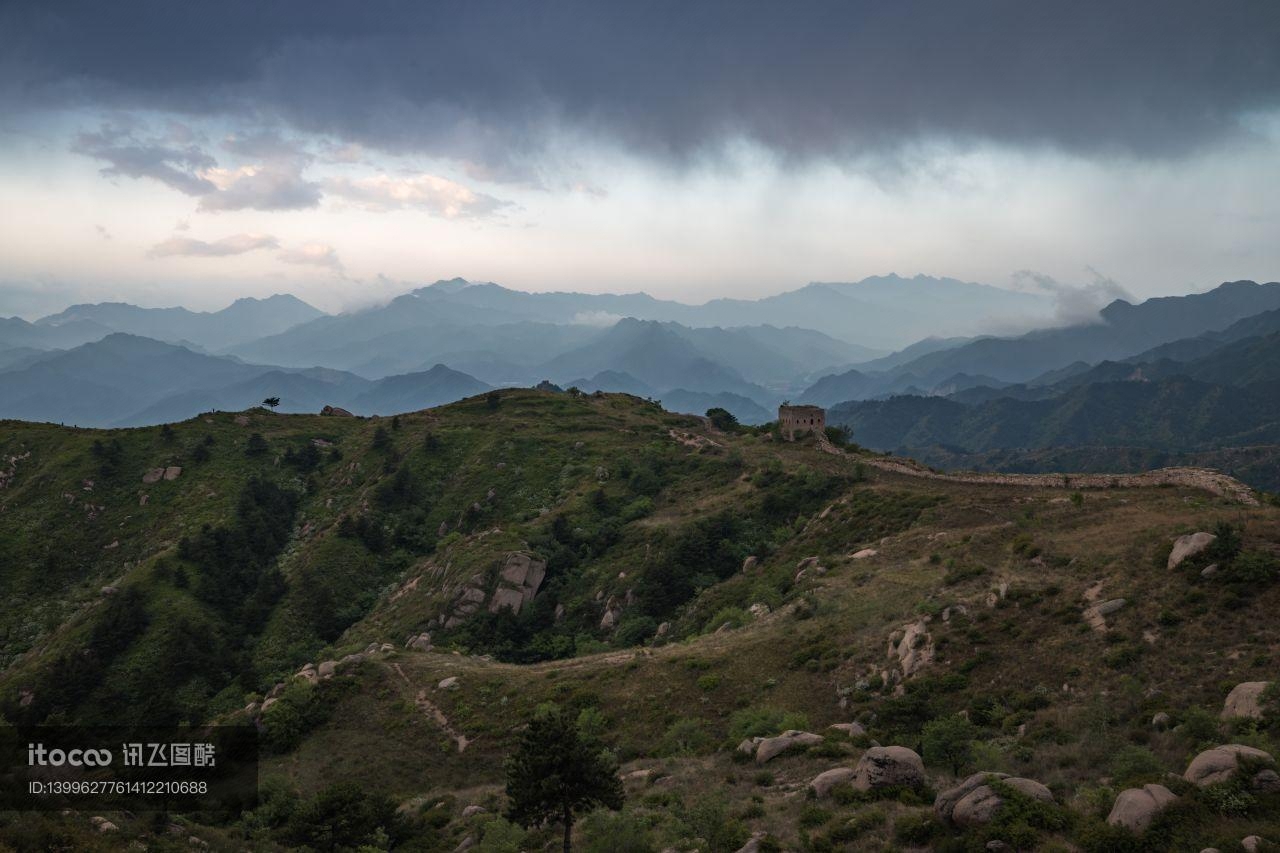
(165,153)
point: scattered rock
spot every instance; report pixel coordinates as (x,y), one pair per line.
(888,766)
(109,590)
(980,805)
(470,811)
(173,472)
(771,747)
(1209,570)
(102,824)
(864,553)
(612,613)
(1188,546)
(850,729)
(758,609)
(327,668)
(450,683)
(422,642)
(1252,843)
(824,782)
(1218,764)
(753,843)
(663,629)
(153,476)
(1135,808)
(1106,608)
(1245,700)
(945,803)
(1160,721)
(749,563)
(1265,782)
(115,543)
(335,412)
(807,562)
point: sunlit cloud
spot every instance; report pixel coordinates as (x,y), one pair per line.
(236,244)
(436,195)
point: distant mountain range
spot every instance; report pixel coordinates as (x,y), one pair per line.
(1212,398)
(1174,374)
(127,380)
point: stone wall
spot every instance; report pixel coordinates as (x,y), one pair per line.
(1206,479)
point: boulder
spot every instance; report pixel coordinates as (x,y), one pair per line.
(850,729)
(327,668)
(450,683)
(758,609)
(980,805)
(944,805)
(102,824)
(748,745)
(1106,608)
(421,643)
(1188,546)
(153,476)
(1135,808)
(864,553)
(888,766)
(1265,782)
(173,472)
(807,562)
(505,596)
(752,845)
(469,811)
(1245,700)
(771,747)
(1160,721)
(749,563)
(1253,843)
(824,782)
(1218,764)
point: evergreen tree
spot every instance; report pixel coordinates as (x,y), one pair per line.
(557,774)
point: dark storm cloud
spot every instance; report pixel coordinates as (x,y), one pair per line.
(488,82)
(127,155)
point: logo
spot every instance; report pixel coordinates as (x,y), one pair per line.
(39,756)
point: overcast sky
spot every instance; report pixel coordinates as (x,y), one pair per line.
(175,153)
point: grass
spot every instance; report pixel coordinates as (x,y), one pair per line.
(1054,699)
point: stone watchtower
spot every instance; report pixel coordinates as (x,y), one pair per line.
(798,420)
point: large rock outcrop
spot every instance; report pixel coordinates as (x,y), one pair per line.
(518,582)
(1218,764)
(1245,700)
(975,801)
(771,747)
(822,784)
(1135,808)
(888,767)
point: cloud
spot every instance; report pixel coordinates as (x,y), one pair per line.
(152,158)
(433,194)
(502,83)
(1074,304)
(313,254)
(236,244)
(272,187)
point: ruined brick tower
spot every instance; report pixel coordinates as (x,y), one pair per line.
(798,420)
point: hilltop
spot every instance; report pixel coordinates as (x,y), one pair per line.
(447,572)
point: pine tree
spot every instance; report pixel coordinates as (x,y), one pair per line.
(556,775)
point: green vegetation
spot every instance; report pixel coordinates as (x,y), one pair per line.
(201,598)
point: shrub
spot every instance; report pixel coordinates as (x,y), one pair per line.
(763,722)
(917,828)
(686,736)
(708,682)
(734,617)
(1253,568)
(622,832)
(948,741)
(1134,766)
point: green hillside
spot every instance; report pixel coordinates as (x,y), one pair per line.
(678,589)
